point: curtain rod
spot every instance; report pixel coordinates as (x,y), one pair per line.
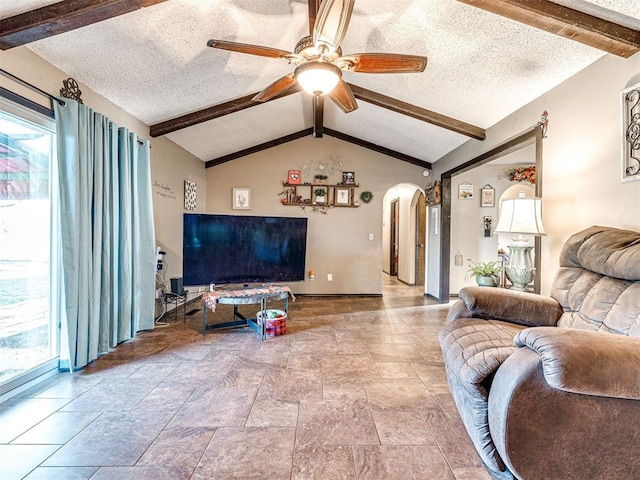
(32,87)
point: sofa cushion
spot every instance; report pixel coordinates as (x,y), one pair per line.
(473,349)
(598,284)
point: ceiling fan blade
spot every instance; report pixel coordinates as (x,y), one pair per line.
(331,24)
(276,88)
(343,97)
(383,63)
(250,49)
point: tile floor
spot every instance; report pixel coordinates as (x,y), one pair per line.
(355,390)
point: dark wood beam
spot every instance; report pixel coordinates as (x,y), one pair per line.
(314,6)
(209,113)
(258,148)
(309,131)
(378,148)
(418,113)
(62,17)
(568,23)
(318,116)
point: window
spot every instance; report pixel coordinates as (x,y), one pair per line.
(29,334)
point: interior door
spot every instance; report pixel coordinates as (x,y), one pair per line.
(394,240)
(421,220)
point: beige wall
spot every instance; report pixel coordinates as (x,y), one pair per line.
(581,156)
(338,242)
(170,164)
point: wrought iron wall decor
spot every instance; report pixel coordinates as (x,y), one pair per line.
(70,89)
(631,133)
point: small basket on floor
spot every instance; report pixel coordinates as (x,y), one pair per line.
(276,322)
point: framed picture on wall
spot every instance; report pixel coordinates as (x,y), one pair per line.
(487,196)
(342,196)
(465,191)
(241,198)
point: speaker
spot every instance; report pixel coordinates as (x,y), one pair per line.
(176,286)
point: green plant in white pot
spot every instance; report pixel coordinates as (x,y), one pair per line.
(487,273)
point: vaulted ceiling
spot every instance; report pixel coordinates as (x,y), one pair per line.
(486,59)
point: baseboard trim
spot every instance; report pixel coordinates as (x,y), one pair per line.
(338,295)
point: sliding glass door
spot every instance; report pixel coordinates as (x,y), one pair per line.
(28,330)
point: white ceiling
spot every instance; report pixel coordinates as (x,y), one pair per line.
(154,63)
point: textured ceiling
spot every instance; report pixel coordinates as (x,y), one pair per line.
(154,63)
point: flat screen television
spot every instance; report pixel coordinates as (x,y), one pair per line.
(242,249)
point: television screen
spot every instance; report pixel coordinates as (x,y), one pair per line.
(242,249)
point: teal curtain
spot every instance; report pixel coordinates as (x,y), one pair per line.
(107,240)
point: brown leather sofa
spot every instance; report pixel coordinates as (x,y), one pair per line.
(549,387)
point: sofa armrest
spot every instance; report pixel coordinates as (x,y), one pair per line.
(506,305)
(586,362)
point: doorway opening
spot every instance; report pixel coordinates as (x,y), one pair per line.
(404,234)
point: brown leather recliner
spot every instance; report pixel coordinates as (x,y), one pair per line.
(549,388)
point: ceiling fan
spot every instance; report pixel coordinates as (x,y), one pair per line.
(319,61)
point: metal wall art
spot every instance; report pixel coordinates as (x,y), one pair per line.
(631,133)
(70,89)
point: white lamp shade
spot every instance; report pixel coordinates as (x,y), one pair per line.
(318,78)
(522,216)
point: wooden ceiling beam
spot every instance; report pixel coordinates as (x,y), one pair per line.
(210,113)
(318,116)
(568,23)
(258,148)
(314,6)
(309,131)
(63,17)
(418,113)
(378,148)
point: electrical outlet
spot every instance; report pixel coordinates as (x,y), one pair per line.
(371,236)
(329,277)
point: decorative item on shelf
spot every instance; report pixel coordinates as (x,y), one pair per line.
(521,174)
(522,216)
(288,195)
(631,133)
(348,178)
(487,196)
(366,196)
(343,196)
(70,89)
(544,123)
(189,195)
(294,177)
(487,221)
(465,191)
(320,195)
(241,198)
(487,273)
(320,178)
(432,194)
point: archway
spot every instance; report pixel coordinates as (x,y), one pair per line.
(403,233)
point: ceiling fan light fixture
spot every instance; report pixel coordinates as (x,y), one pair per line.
(318,78)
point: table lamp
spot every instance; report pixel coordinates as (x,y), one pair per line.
(524,217)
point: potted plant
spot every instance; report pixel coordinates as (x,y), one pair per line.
(486,273)
(320,195)
(320,178)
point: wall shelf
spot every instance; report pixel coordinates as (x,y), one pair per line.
(309,195)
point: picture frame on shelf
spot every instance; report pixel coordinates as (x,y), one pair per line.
(294,177)
(465,191)
(241,198)
(348,178)
(342,196)
(487,196)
